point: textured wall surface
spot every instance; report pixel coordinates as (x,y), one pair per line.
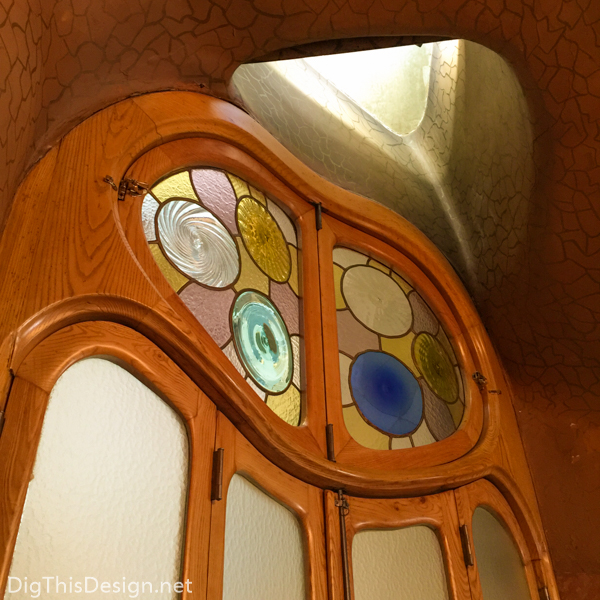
(539,294)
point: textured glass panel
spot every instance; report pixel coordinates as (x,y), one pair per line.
(216,238)
(501,571)
(399,564)
(264,240)
(264,557)
(376,300)
(399,374)
(262,341)
(108,494)
(197,243)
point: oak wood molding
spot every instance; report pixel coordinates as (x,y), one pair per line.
(34,379)
(484,494)
(68,261)
(438,512)
(304,500)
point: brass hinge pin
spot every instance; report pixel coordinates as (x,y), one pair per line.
(466,546)
(544,593)
(216,492)
(330,444)
(127,187)
(318,217)
(342,503)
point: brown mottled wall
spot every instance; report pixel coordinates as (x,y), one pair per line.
(60,62)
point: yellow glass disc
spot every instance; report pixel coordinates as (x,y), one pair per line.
(436,367)
(263,240)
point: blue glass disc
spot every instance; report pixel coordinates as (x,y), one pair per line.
(262,341)
(386,393)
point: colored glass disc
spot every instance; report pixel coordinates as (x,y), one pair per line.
(263,239)
(386,392)
(262,341)
(196,242)
(377,301)
(434,363)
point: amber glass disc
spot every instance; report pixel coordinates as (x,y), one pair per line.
(263,240)
(436,367)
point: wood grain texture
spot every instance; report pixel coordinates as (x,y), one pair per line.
(18,447)
(484,494)
(69,261)
(458,321)
(35,378)
(304,500)
(191,152)
(437,512)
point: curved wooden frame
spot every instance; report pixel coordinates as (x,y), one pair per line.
(26,408)
(69,261)
(348,451)
(200,152)
(304,500)
(437,512)
(484,494)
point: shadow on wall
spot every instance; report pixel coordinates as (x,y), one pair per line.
(463,176)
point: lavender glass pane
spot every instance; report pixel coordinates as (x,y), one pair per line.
(215,192)
(352,336)
(211,308)
(287,302)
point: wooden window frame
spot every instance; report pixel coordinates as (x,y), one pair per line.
(347,450)
(70,262)
(34,379)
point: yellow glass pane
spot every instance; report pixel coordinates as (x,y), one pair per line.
(362,432)
(403,284)
(443,338)
(176,279)
(338,272)
(422,436)
(293,280)
(401,348)
(258,195)
(251,277)
(401,443)
(263,239)
(287,405)
(240,187)
(456,410)
(177,186)
(374,263)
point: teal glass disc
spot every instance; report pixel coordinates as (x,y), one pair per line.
(262,341)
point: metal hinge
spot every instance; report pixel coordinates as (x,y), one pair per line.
(1,421)
(216,492)
(344,508)
(127,187)
(330,444)
(318,217)
(544,593)
(465,542)
(481,381)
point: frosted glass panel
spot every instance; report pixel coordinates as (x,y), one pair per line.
(107,498)
(264,557)
(500,568)
(399,564)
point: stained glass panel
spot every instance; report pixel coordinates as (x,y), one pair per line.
(400,380)
(231,254)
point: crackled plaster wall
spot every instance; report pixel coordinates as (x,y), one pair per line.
(62,61)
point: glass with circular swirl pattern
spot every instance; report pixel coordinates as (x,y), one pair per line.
(231,254)
(400,380)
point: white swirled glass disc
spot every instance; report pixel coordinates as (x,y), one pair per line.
(377,301)
(197,243)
